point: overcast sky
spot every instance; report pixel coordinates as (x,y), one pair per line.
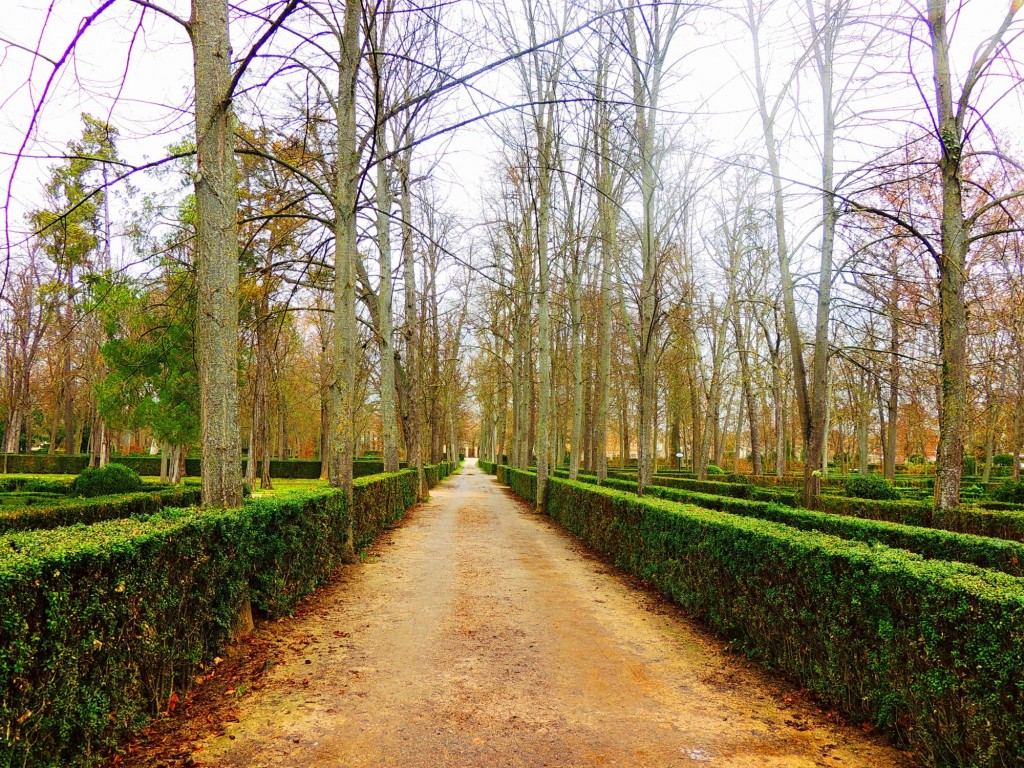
(149,101)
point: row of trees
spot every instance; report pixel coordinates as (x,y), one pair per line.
(265,304)
(700,297)
(639,278)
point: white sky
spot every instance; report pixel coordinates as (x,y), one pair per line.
(149,102)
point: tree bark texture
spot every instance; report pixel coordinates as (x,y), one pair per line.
(217,256)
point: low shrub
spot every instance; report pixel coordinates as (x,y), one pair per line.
(870,487)
(1000,505)
(488,466)
(898,511)
(360,467)
(100,623)
(19,499)
(104,481)
(715,470)
(983,551)
(149,466)
(96,509)
(971,493)
(43,463)
(28,484)
(1010,492)
(523,483)
(928,649)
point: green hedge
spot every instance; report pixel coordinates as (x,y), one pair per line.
(522,482)
(1001,505)
(435,473)
(736,490)
(983,551)
(1000,524)
(107,480)
(925,648)
(99,624)
(43,464)
(12,500)
(28,484)
(73,511)
(149,466)
(360,467)
(488,466)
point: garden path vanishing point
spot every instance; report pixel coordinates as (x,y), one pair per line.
(478,633)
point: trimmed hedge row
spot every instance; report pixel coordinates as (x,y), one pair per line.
(927,649)
(522,482)
(1004,506)
(12,500)
(983,551)
(100,624)
(96,509)
(149,466)
(1000,524)
(30,484)
(987,519)
(487,466)
(435,473)
(721,488)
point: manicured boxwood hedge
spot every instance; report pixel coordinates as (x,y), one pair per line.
(1001,524)
(29,484)
(736,490)
(435,473)
(100,623)
(522,482)
(488,466)
(74,511)
(105,481)
(149,466)
(983,551)
(1001,505)
(12,500)
(43,464)
(927,649)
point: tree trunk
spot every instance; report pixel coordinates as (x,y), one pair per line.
(217,255)
(164,462)
(863,424)
(543,320)
(69,399)
(345,257)
(385,329)
(576,312)
(949,119)
(414,451)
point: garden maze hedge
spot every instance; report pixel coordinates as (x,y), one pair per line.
(929,650)
(97,508)
(99,624)
(149,466)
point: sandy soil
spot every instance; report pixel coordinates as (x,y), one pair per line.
(480,634)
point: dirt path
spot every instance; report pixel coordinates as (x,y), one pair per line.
(480,634)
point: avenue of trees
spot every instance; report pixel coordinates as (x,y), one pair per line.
(836,283)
